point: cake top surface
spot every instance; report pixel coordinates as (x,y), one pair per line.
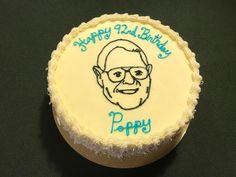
(123,80)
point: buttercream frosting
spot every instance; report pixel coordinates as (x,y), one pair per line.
(123,84)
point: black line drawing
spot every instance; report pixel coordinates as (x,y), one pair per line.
(123,73)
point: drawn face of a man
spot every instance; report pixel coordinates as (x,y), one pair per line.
(125,77)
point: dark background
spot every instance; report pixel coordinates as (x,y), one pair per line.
(31,145)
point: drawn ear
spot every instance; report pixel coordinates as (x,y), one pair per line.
(149,68)
(98,72)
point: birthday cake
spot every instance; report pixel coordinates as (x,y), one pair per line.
(123,89)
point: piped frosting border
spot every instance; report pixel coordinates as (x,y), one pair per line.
(80,135)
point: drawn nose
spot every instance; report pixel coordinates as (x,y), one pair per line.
(128,79)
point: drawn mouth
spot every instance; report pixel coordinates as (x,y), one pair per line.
(128,91)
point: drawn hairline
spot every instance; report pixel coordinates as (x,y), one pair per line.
(135,48)
(121,47)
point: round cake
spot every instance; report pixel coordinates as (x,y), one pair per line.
(123,89)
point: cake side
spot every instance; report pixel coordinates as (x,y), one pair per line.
(127,160)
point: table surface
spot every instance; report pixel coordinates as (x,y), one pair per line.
(30,142)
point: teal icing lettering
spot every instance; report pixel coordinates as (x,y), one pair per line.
(163,49)
(123,29)
(137,125)
(118,28)
(155,40)
(129,125)
(145,34)
(117,124)
(116,118)
(93,37)
(120,128)
(107,33)
(133,32)
(147,126)
(81,43)
(142,33)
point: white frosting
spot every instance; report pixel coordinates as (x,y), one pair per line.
(82,109)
